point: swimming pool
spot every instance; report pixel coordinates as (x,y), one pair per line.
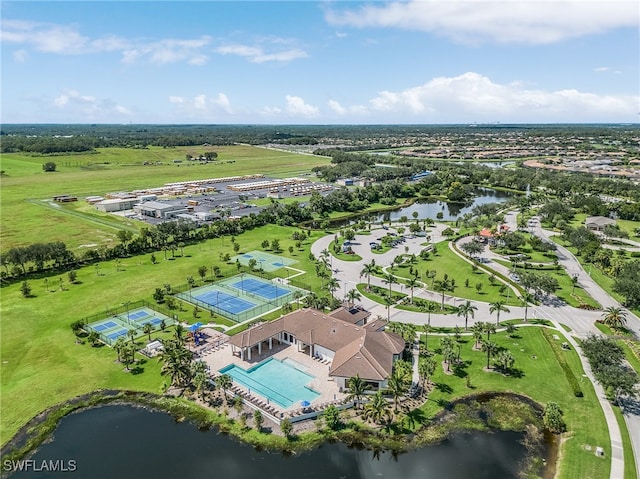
(275,380)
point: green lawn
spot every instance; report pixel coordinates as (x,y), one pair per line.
(541,379)
(42,366)
(572,296)
(114,169)
(446,261)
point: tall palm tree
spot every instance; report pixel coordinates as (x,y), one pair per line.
(477,330)
(377,410)
(614,317)
(397,385)
(490,348)
(446,345)
(489,328)
(333,285)
(412,283)
(179,332)
(426,368)
(201,382)
(132,334)
(368,270)
(356,388)
(118,346)
(297,295)
(224,382)
(443,285)
(466,309)
(176,363)
(389,279)
(147,329)
(497,307)
(353,295)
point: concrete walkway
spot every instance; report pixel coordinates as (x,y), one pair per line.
(580,321)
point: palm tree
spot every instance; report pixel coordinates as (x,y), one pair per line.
(497,307)
(466,309)
(224,381)
(368,270)
(526,297)
(118,346)
(93,338)
(426,368)
(297,294)
(132,334)
(356,388)
(389,279)
(201,381)
(397,385)
(489,328)
(443,285)
(506,360)
(412,283)
(333,285)
(176,363)
(614,317)
(490,348)
(446,344)
(477,330)
(147,329)
(377,410)
(353,295)
(179,332)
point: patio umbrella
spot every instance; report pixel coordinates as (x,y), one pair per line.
(305,403)
(195,327)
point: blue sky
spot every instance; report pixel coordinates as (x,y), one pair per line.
(305,62)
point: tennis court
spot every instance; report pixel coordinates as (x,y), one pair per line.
(265,261)
(113,327)
(266,290)
(225,301)
(141,316)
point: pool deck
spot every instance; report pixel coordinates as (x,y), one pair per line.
(218,358)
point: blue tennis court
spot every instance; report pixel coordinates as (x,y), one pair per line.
(104,326)
(138,315)
(224,301)
(268,291)
(117,334)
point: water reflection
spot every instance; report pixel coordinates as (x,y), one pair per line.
(122,441)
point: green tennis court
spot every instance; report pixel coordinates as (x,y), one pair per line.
(265,261)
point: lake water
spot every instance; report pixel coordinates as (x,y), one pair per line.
(127,442)
(428,208)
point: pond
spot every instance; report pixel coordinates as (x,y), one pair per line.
(125,441)
(429,208)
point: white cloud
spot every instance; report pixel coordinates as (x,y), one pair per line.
(20,56)
(607,70)
(66,40)
(73,104)
(264,51)
(202,107)
(297,107)
(505,21)
(474,97)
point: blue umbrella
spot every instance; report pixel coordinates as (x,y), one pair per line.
(195,327)
(305,403)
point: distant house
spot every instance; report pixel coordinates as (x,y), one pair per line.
(597,223)
(345,337)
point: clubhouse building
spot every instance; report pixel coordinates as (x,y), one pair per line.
(345,339)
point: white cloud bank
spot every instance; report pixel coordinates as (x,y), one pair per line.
(473,97)
(504,21)
(73,104)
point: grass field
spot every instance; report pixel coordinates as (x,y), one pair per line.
(114,169)
(541,379)
(446,261)
(41,365)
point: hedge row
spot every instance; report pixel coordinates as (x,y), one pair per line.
(568,372)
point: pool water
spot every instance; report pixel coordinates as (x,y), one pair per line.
(277,381)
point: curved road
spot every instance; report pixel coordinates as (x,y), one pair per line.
(580,321)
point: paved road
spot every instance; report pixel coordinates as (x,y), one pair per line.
(580,321)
